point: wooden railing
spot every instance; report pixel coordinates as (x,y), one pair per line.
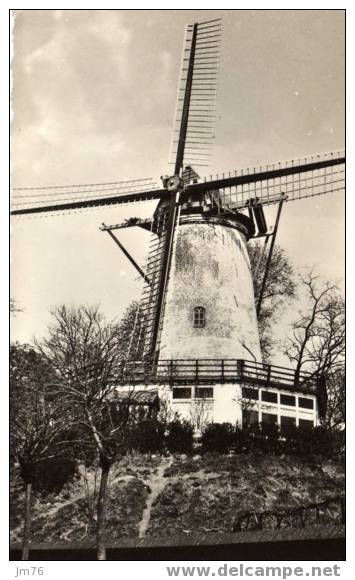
(207,371)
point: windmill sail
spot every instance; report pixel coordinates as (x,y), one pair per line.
(196,101)
(297,178)
(67,198)
(152,303)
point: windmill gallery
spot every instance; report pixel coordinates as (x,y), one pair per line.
(195,342)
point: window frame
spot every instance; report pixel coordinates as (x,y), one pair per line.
(181,390)
(306,403)
(269,397)
(204,397)
(250,393)
(199,317)
(283,396)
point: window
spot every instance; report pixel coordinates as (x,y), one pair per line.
(288,400)
(204,393)
(250,417)
(182,393)
(305,403)
(287,423)
(268,419)
(269,397)
(250,393)
(305,424)
(199,317)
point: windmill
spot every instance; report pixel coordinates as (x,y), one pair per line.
(197,321)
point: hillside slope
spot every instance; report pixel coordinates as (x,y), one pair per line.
(151,496)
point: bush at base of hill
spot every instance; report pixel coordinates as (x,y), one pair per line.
(148,436)
(268,439)
(179,437)
(218,437)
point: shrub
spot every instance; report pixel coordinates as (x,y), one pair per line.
(76,445)
(239,440)
(218,437)
(293,441)
(253,440)
(296,441)
(147,436)
(317,441)
(179,438)
(50,475)
(271,439)
(322,442)
(268,440)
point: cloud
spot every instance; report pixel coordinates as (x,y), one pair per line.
(166,60)
(52,51)
(110,30)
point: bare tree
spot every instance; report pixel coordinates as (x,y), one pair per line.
(131,333)
(14,308)
(335,409)
(37,419)
(86,352)
(317,340)
(165,413)
(280,287)
(200,414)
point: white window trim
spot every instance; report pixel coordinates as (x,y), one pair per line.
(276,408)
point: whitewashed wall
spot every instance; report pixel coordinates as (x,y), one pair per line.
(210,268)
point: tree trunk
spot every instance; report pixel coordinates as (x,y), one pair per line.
(101,512)
(27,522)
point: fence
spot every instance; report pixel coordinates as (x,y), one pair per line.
(209,371)
(331,510)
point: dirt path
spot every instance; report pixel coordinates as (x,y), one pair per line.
(156,483)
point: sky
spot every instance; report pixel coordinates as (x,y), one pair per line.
(93,101)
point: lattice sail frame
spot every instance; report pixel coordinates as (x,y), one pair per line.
(202,107)
(32,198)
(145,342)
(297,179)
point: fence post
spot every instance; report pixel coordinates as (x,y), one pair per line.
(222,369)
(196,370)
(268,375)
(240,367)
(171,370)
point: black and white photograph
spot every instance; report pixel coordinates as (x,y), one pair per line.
(177,288)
